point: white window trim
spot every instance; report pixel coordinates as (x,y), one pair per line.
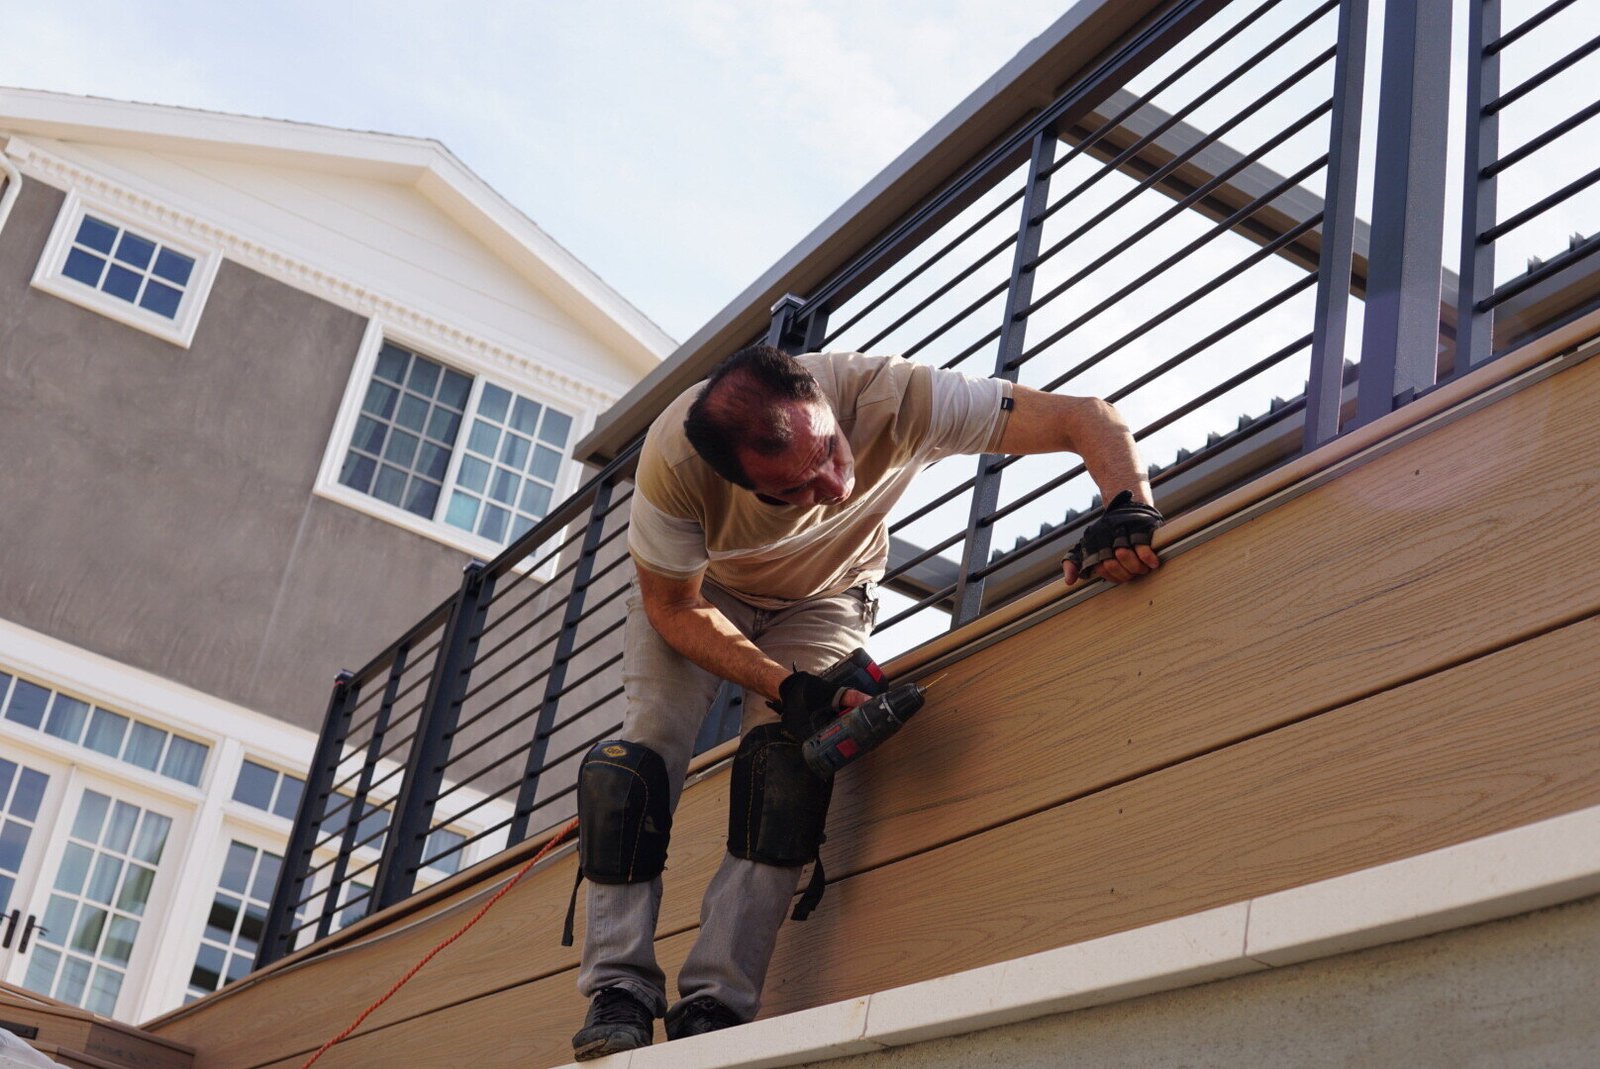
(47,275)
(329,486)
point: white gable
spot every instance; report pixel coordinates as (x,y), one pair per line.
(398,219)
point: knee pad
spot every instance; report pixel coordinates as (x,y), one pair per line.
(624,819)
(776,806)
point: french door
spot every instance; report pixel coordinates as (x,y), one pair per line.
(84,896)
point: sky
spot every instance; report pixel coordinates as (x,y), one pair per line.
(679,148)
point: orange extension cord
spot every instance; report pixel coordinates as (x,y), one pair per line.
(555,841)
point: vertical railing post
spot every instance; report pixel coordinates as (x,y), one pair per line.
(1325,384)
(556,678)
(358,803)
(1475,329)
(1400,341)
(1013,331)
(277,937)
(792,330)
(430,746)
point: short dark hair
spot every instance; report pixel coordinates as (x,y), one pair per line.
(740,408)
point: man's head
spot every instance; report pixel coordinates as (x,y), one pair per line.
(763,423)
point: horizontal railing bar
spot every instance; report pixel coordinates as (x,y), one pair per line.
(1009,148)
(1262,55)
(962,356)
(1534,81)
(1173,210)
(960,277)
(1224,226)
(1178,359)
(1559,130)
(1533,211)
(581,713)
(938,595)
(1185,301)
(489,831)
(1526,26)
(513,692)
(478,774)
(510,666)
(943,499)
(1555,266)
(877,302)
(960,316)
(1161,423)
(906,565)
(1098,133)
(1285,294)
(526,573)
(607,663)
(582,747)
(550,584)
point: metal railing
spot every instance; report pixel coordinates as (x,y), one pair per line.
(1181,231)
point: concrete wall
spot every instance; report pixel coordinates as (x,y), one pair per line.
(1514,994)
(155,502)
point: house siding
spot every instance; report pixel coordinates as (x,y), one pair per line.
(158,501)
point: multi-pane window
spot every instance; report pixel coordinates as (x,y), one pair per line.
(509,467)
(128,266)
(442,850)
(97,903)
(410,417)
(268,789)
(236,920)
(21,794)
(448,448)
(103,731)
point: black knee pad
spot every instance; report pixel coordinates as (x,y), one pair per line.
(776,805)
(624,820)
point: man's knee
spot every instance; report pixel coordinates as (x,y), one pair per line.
(624,813)
(776,806)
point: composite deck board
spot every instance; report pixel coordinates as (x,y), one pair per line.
(1499,742)
(1089,728)
(1463,541)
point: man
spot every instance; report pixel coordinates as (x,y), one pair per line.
(757,529)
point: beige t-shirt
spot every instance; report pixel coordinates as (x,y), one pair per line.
(898,417)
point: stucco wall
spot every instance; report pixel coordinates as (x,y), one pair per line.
(1514,994)
(155,502)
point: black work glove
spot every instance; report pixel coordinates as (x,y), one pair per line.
(1124,524)
(806,702)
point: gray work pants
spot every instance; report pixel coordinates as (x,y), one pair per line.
(745,903)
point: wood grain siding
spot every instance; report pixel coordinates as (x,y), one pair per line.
(1396,661)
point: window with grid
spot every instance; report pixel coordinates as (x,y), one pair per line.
(453,448)
(94,728)
(236,919)
(268,789)
(126,269)
(128,266)
(97,903)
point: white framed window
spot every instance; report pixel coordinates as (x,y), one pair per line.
(126,269)
(465,457)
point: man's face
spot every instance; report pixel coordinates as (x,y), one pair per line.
(818,469)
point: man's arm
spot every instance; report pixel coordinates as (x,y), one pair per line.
(1048,423)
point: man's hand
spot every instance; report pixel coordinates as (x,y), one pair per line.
(807,702)
(1117,545)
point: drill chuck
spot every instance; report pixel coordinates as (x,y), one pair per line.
(859,731)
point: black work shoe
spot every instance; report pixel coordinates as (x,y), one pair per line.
(616,1022)
(699,1016)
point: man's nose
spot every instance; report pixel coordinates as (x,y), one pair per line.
(835,484)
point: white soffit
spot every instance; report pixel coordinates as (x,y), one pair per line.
(420,163)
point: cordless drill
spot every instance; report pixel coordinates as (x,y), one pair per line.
(858,731)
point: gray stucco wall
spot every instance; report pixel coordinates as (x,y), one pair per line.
(1522,993)
(156,503)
